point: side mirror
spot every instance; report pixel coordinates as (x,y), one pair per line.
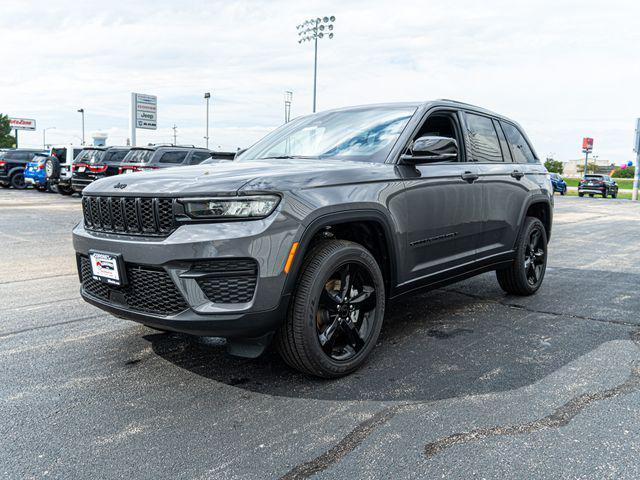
(432,149)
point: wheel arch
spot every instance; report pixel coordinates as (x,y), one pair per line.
(369,227)
(540,207)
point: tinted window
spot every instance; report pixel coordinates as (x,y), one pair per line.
(138,155)
(60,154)
(199,157)
(520,149)
(90,156)
(483,139)
(114,156)
(173,157)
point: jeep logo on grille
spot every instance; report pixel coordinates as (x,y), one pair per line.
(120,185)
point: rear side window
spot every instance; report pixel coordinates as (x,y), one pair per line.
(520,149)
(199,157)
(483,139)
(60,154)
(114,156)
(173,157)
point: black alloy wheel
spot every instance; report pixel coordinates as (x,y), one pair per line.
(534,257)
(336,312)
(347,303)
(525,274)
(17,181)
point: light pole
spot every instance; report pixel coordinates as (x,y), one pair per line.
(44,137)
(312,30)
(207,96)
(81,111)
(288,97)
(175,134)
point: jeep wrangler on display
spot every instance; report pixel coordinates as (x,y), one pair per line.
(306,235)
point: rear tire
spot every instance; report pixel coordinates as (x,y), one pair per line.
(4,185)
(581,195)
(591,195)
(604,194)
(336,313)
(563,192)
(17,181)
(524,276)
(65,190)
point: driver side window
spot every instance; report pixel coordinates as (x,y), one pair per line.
(442,124)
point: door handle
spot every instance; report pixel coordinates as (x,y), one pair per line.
(470,176)
(517,174)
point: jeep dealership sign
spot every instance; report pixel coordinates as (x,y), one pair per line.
(146,111)
(22,123)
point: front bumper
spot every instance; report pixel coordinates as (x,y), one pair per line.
(266,241)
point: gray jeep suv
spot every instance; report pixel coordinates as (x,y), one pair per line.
(306,235)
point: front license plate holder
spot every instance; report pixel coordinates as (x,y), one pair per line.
(108,268)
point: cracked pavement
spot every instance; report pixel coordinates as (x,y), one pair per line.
(465,382)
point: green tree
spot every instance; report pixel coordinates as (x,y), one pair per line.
(6,139)
(554,166)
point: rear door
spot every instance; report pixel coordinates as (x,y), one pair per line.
(503,189)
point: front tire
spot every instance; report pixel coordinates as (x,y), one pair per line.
(524,276)
(563,192)
(336,313)
(65,190)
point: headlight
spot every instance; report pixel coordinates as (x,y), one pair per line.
(231,207)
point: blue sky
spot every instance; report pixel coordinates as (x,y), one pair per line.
(563,69)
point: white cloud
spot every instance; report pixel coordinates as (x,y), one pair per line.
(562,69)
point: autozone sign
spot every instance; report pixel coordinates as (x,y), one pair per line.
(22,123)
(587,144)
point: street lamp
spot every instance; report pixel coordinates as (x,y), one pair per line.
(44,137)
(81,110)
(288,97)
(207,96)
(312,30)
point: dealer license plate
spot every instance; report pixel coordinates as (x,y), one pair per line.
(107,268)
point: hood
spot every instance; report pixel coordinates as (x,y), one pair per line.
(226,178)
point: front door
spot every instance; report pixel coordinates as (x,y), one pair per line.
(444,207)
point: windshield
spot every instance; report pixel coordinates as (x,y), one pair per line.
(138,155)
(90,156)
(365,134)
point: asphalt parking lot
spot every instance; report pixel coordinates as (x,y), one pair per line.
(465,382)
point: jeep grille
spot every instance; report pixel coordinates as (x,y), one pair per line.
(130,215)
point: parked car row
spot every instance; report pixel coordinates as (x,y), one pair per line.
(69,169)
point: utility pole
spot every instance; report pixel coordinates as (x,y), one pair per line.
(288,97)
(175,134)
(81,111)
(636,174)
(207,96)
(44,137)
